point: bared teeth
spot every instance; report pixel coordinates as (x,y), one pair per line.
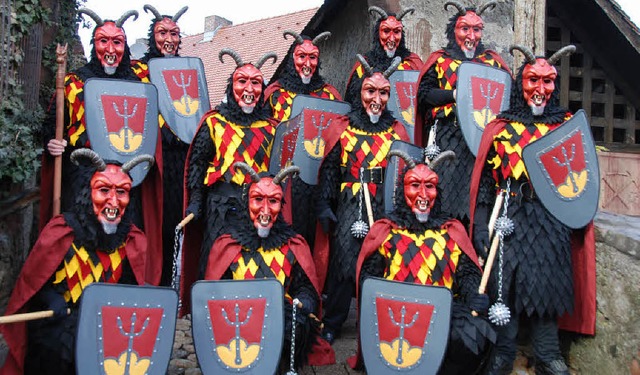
(391,45)
(248,99)
(111,213)
(168,47)
(422,205)
(537,99)
(306,71)
(110,59)
(264,220)
(469,44)
(375,108)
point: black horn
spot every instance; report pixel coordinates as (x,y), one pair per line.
(321,37)
(88,153)
(294,34)
(404,13)
(378,10)
(265,57)
(126,167)
(562,52)
(126,16)
(443,156)
(526,51)
(408,160)
(485,6)
(179,14)
(395,63)
(234,55)
(461,9)
(246,169)
(365,65)
(92,14)
(284,173)
(149,8)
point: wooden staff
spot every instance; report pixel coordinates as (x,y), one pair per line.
(61,60)
(185,221)
(17,318)
(367,203)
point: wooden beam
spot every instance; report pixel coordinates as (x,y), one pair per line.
(529,27)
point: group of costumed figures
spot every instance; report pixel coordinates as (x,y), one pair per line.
(249,220)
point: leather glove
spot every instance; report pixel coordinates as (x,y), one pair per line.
(195,204)
(479,303)
(481,231)
(326,217)
(54,301)
(308,307)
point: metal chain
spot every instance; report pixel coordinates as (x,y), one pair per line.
(502,234)
(360,193)
(294,309)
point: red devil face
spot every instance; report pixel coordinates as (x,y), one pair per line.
(468,31)
(265,203)
(110,43)
(247,86)
(390,34)
(375,95)
(305,59)
(420,190)
(110,194)
(167,36)
(538,83)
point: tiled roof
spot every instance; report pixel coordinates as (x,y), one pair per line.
(251,40)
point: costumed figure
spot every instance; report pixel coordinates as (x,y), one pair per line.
(436,101)
(239,129)
(110,58)
(535,278)
(300,75)
(164,41)
(350,181)
(388,43)
(260,244)
(95,241)
(418,243)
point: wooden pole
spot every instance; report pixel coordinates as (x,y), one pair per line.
(17,318)
(61,60)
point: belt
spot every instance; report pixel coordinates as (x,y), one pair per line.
(374,175)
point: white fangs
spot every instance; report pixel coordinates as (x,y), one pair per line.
(537,99)
(306,71)
(111,213)
(248,99)
(375,108)
(422,205)
(110,59)
(168,47)
(264,220)
(469,44)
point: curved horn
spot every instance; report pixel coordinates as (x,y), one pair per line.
(294,34)
(125,16)
(92,14)
(526,51)
(264,58)
(562,52)
(321,37)
(149,8)
(179,14)
(461,9)
(234,55)
(485,6)
(365,65)
(126,167)
(404,13)
(284,173)
(88,153)
(408,160)
(246,169)
(395,63)
(443,156)
(380,11)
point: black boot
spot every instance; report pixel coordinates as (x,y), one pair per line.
(499,365)
(555,367)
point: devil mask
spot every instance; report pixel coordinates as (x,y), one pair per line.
(265,203)
(167,36)
(375,95)
(305,59)
(110,42)
(247,86)
(468,32)
(110,196)
(420,190)
(538,83)
(390,35)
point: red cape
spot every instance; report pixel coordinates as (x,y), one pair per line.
(151,195)
(45,257)
(425,68)
(583,248)
(377,235)
(224,251)
(321,246)
(275,86)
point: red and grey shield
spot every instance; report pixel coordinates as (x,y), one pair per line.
(395,165)
(238,325)
(183,96)
(404,327)
(563,169)
(122,121)
(404,89)
(125,329)
(300,139)
(482,92)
